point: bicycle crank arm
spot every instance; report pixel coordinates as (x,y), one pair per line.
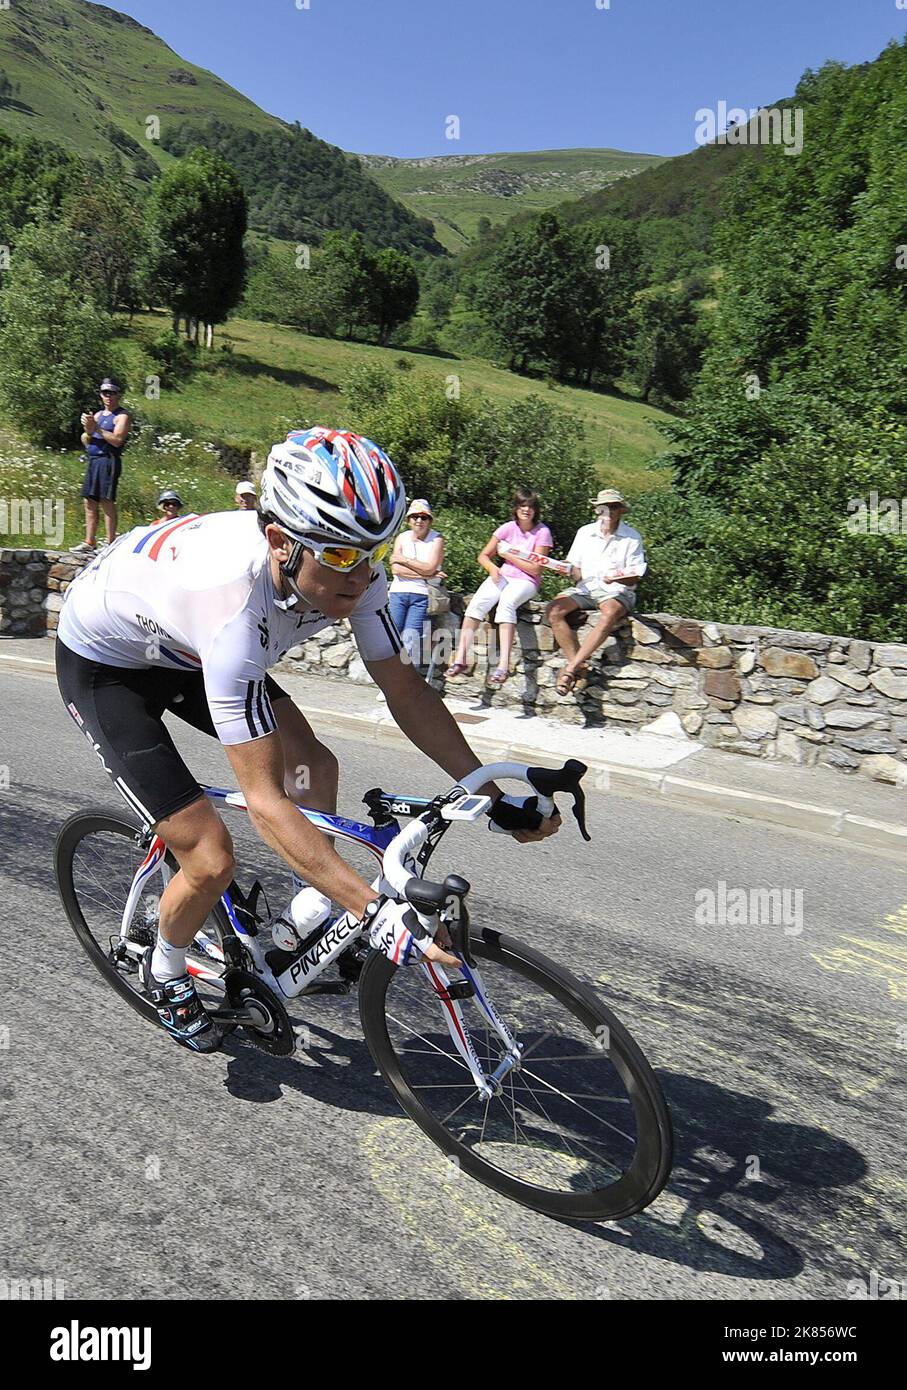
(253,1016)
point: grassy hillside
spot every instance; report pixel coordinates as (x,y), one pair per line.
(454,191)
(81,68)
(87,78)
(676,203)
(275,378)
(269,380)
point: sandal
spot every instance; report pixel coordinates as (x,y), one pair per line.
(571,681)
(456,668)
(498,677)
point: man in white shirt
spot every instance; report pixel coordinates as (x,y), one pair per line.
(608,560)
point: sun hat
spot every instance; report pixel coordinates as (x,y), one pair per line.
(419,504)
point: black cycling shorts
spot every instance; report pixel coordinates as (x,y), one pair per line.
(120,711)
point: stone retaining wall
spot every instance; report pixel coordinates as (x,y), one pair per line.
(32,583)
(802,697)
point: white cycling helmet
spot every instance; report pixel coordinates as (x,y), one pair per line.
(332,485)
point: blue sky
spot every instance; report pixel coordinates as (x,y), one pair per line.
(381,76)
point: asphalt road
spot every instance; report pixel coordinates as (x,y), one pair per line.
(136,1170)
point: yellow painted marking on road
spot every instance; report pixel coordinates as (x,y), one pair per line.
(460,1224)
(884,960)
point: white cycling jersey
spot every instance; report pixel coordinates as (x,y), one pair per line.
(196,594)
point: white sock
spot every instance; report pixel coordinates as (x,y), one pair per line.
(168,961)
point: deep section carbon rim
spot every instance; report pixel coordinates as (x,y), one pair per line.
(580,1130)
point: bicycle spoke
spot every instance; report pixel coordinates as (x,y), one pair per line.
(544,1125)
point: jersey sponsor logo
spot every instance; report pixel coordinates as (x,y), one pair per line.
(263,634)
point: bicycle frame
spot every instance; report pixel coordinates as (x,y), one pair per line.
(339,932)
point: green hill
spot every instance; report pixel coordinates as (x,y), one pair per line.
(676,203)
(87,78)
(79,69)
(273,378)
(456,190)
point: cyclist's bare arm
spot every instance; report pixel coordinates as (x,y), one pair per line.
(259,766)
(427,722)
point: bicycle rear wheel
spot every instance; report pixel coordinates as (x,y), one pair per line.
(95,859)
(580,1130)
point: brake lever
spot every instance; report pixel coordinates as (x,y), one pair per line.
(579,811)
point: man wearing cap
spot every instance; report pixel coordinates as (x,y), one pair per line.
(244,497)
(104,437)
(608,560)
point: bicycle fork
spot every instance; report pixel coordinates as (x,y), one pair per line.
(472,986)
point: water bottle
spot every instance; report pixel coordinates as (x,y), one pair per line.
(307,911)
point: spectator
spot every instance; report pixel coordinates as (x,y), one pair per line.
(608,561)
(105,432)
(417,557)
(169,505)
(244,497)
(507,586)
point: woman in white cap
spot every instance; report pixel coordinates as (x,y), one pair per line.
(418,556)
(509,585)
(245,496)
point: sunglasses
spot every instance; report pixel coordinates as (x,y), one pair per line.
(345,557)
(419,516)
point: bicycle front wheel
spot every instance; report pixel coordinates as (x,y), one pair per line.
(578,1130)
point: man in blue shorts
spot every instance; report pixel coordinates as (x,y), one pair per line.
(105,434)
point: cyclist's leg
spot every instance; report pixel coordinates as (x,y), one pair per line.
(119,711)
(203,848)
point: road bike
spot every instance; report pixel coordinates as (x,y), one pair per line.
(511,1065)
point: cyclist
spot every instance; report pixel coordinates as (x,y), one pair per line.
(187,617)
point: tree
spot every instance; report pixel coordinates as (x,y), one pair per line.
(347,273)
(197,221)
(110,241)
(526,294)
(54,339)
(396,291)
(35,179)
(438,302)
(668,346)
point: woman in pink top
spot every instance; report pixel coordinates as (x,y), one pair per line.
(508,585)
